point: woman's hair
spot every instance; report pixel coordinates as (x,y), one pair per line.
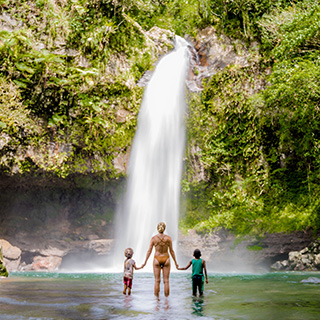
(161,227)
(197,253)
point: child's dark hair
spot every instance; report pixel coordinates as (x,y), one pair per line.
(197,253)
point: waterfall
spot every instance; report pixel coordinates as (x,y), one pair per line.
(155,165)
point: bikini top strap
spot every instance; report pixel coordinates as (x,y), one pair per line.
(161,243)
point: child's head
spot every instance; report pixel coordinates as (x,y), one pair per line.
(197,253)
(128,253)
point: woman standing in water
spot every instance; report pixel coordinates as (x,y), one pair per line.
(162,244)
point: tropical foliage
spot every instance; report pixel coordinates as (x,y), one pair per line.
(68,68)
(260,147)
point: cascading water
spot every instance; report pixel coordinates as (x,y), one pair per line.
(155,166)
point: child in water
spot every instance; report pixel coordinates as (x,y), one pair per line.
(198,266)
(129,265)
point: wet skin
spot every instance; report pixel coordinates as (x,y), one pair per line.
(163,245)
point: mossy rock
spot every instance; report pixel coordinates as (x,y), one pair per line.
(3,270)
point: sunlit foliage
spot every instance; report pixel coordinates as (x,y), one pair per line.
(260,146)
(68,67)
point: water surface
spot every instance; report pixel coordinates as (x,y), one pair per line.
(99,296)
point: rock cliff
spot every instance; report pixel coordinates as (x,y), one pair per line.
(307,259)
(45,219)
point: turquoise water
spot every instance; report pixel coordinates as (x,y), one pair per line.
(99,296)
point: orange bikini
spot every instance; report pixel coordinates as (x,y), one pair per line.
(162,259)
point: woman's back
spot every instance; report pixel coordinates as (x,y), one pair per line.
(161,244)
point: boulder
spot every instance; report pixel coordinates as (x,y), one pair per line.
(9,251)
(25,267)
(51,251)
(120,162)
(101,246)
(305,261)
(121,115)
(50,263)
(278,266)
(12,265)
(218,51)
(317,261)
(311,280)
(163,39)
(307,258)
(294,255)
(11,255)
(213,52)
(299,266)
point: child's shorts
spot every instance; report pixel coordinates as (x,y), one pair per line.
(127,282)
(197,283)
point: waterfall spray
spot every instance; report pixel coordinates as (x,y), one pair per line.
(155,166)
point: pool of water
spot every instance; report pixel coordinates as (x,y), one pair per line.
(99,296)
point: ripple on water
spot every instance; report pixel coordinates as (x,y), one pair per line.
(99,297)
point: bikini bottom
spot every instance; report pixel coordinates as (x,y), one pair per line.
(162,260)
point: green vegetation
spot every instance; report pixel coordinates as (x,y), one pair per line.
(3,269)
(69,68)
(259,133)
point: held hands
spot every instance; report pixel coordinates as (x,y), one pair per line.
(138,268)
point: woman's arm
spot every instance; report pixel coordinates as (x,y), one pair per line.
(205,270)
(148,253)
(173,255)
(185,268)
